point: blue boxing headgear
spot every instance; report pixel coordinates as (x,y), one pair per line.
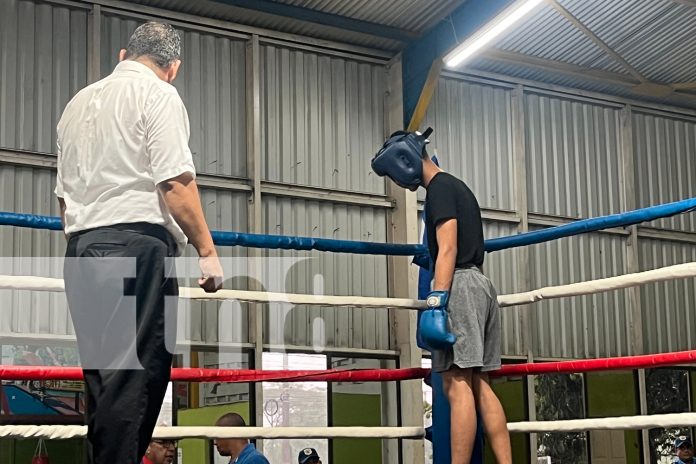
(400,158)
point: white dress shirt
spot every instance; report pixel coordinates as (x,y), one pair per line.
(117,139)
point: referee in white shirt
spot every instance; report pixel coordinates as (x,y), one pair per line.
(128,198)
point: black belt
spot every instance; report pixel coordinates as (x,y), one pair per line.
(144,228)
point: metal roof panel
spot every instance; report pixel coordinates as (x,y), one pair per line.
(413,15)
(271,22)
(681,99)
(655,37)
(546,34)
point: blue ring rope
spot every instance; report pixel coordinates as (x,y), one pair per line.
(419,251)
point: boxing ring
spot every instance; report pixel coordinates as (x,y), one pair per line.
(419,252)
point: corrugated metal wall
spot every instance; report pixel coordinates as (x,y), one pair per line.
(574,168)
(327,273)
(669,319)
(322,119)
(473,138)
(43,63)
(581,327)
(573,157)
(211,82)
(665,169)
(501,268)
(212,321)
(665,164)
(30,190)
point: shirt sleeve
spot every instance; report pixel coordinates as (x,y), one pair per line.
(442,204)
(59,176)
(167,133)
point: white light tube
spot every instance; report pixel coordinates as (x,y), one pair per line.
(489,32)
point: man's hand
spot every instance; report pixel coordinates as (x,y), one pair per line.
(211,273)
(182,198)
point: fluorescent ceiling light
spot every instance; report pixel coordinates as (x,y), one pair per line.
(489,32)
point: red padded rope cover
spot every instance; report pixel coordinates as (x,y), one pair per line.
(602,364)
(228,375)
(365,375)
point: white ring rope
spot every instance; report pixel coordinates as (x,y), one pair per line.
(62,432)
(679,271)
(686,419)
(48,284)
(302,299)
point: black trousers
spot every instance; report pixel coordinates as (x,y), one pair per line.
(123,306)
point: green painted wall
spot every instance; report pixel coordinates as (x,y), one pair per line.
(196,451)
(614,394)
(512,397)
(59,451)
(355,409)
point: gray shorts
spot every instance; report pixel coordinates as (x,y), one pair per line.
(474,318)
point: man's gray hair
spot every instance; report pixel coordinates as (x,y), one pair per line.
(158,41)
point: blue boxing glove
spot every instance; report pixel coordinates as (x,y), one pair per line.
(432,325)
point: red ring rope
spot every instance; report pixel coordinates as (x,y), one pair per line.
(602,364)
(229,375)
(365,375)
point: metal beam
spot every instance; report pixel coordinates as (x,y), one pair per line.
(691,3)
(48,161)
(26,158)
(35,338)
(524,280)
(522,212)
(643,406)
(326,19)
(324,194)
(553,221)
(569,69)
(94,44)
(683,85)
(402,227)
(223,183)
(628,203)
(490,214)
(255,211)
(379,58)
(227,28)
(502,80)
(596,75)
(599,42)
(331,350)
(669,235)
(426,95)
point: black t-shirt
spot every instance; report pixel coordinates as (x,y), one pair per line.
(450,198)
